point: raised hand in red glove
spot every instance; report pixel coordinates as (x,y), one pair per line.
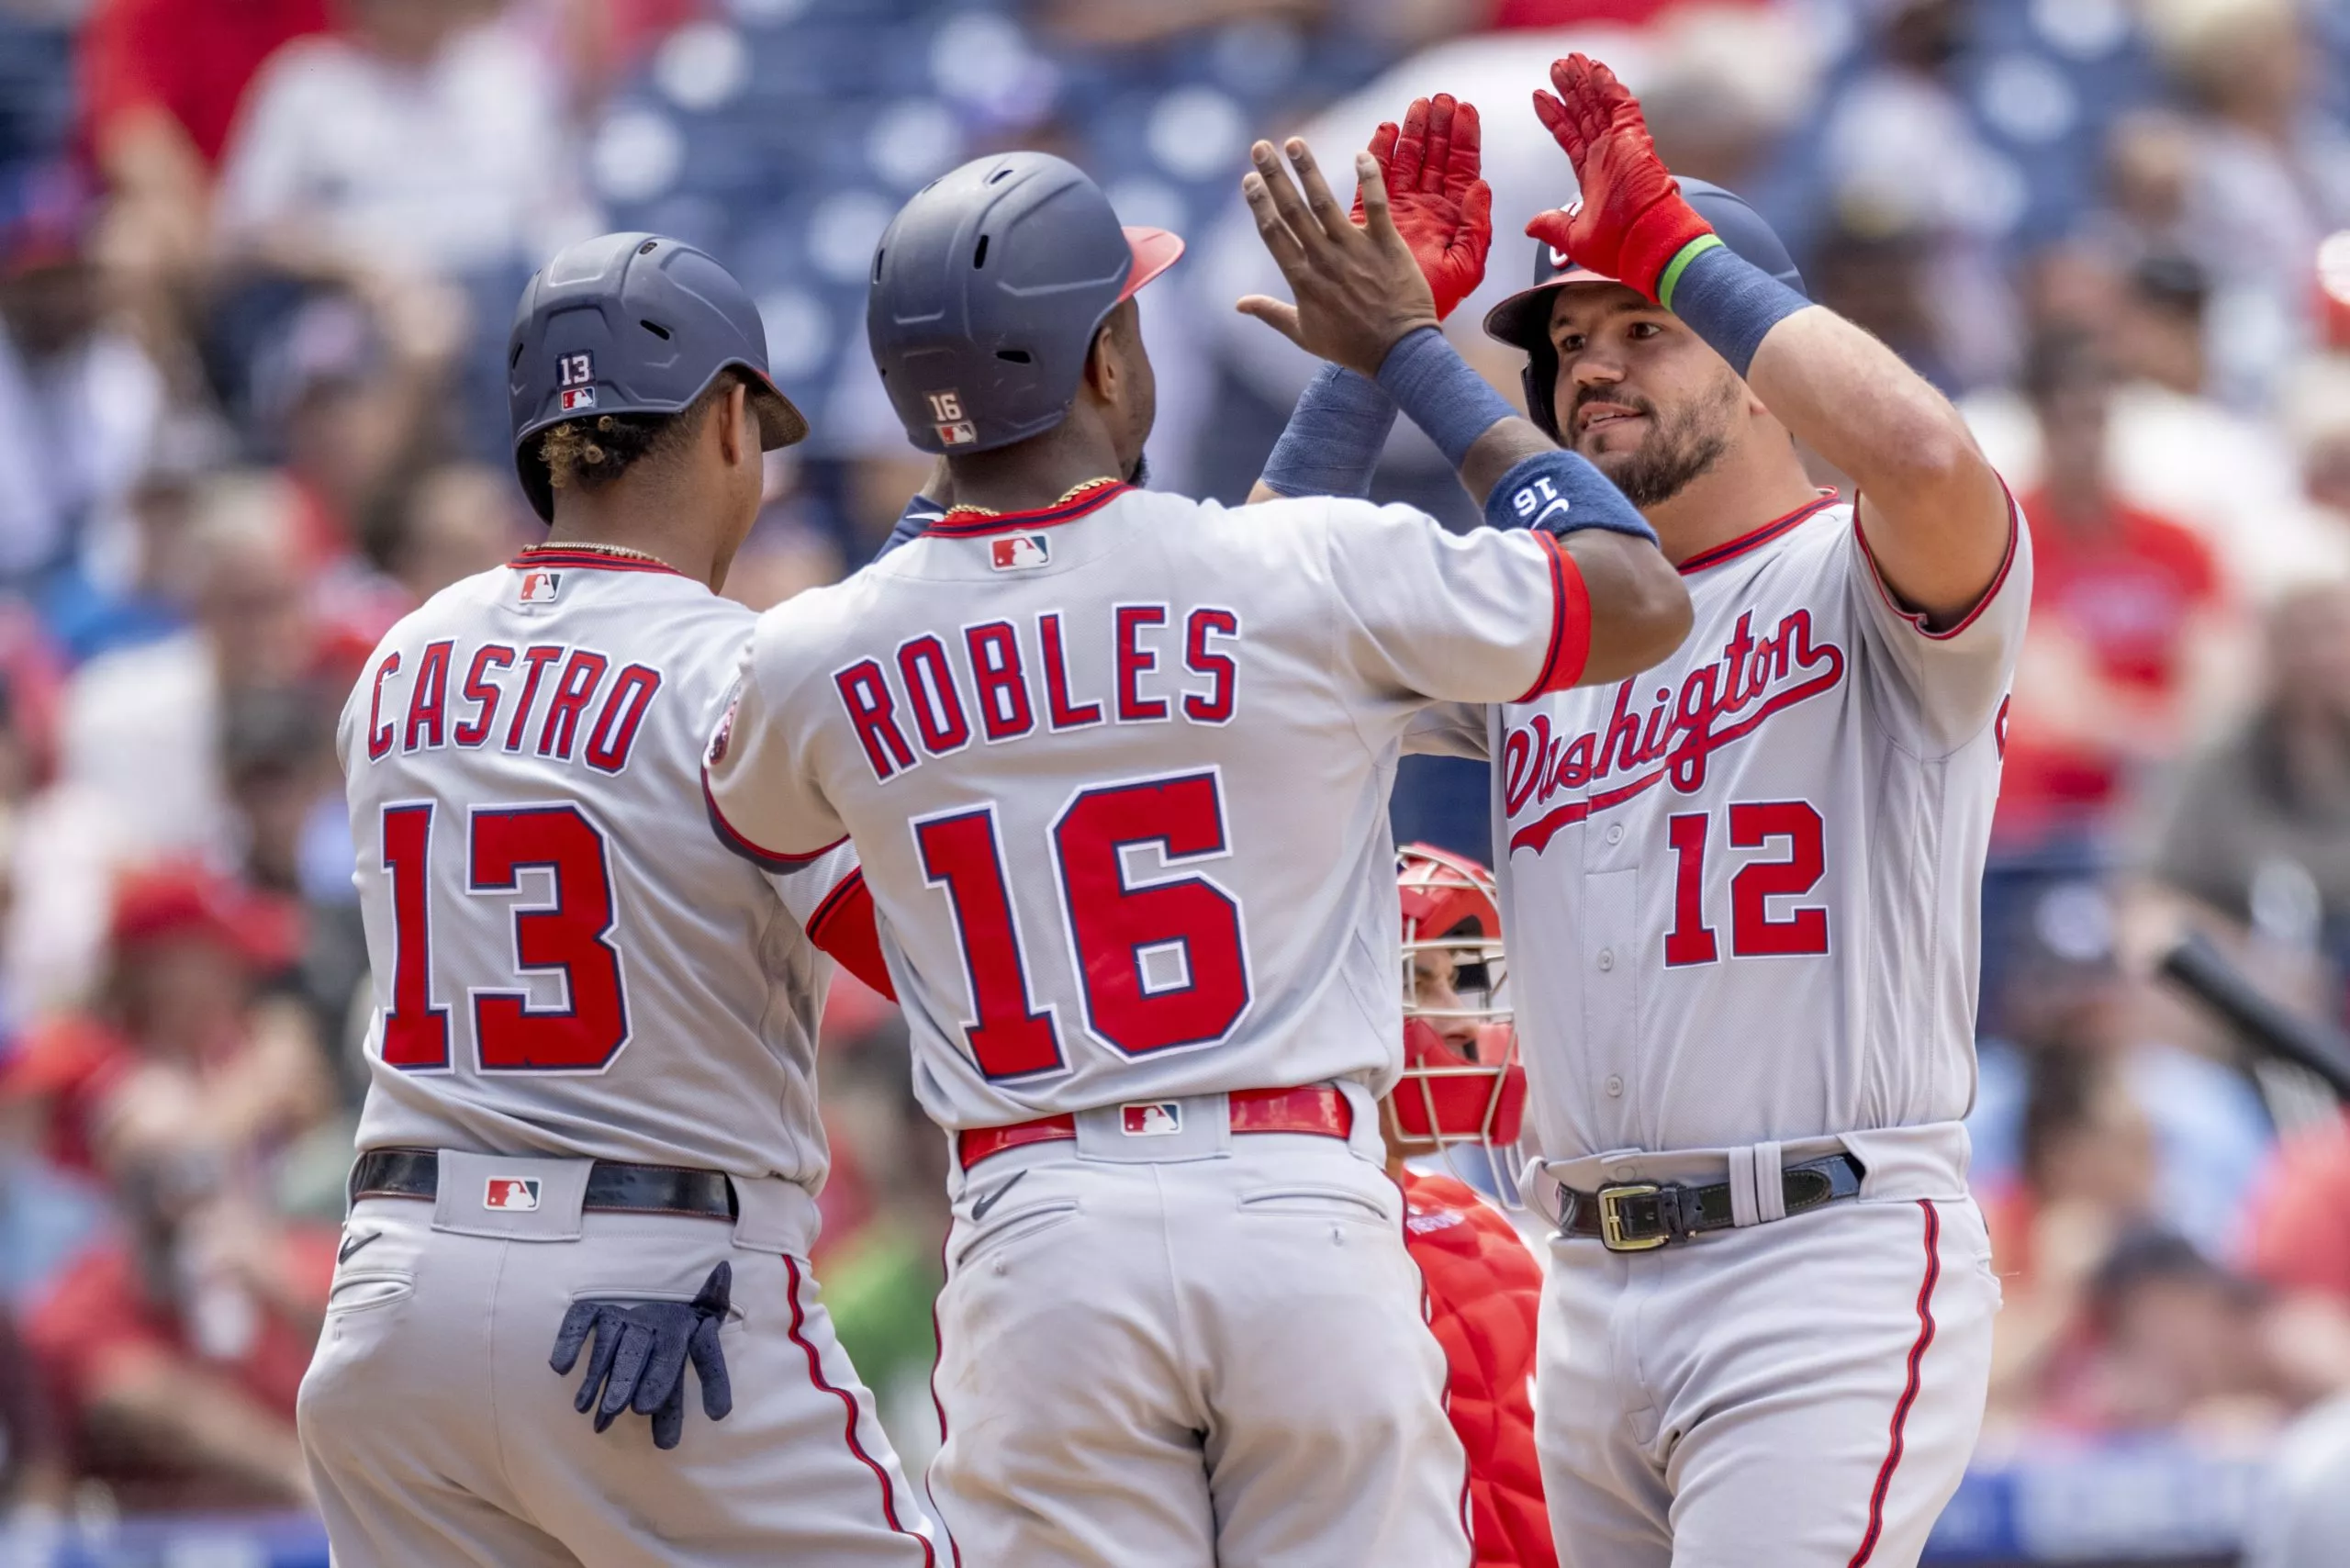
(1632,220)
(1441,208)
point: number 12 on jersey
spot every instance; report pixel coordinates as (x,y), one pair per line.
(1162,965)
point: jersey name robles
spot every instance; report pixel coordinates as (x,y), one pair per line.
(1118,774)
(564,962)
(1755,871)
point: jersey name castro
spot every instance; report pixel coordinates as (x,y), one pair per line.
(564,961)
(1744,886)
(1118,772)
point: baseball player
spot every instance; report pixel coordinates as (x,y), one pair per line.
(1754,873)
(1117,762)
(591,1133)
(1462,1087)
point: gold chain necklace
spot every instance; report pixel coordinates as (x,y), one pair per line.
(1067,495)
(622,551)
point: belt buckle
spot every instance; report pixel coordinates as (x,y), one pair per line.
(1635,1232)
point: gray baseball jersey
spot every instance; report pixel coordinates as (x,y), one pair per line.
(1118,772)
(1743,889)
(566,962)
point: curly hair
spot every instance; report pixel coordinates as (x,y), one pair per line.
(594,450)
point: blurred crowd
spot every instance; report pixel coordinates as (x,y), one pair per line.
(257,258)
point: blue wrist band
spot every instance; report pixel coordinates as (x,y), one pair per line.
(1334,437)
(1561,492)
(1728,301)
(1437,391)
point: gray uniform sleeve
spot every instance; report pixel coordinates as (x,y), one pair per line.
(757,784)
(1480,617)
(1452,729)
(1943,687)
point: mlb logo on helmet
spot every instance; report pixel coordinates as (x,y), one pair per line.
(946,409)
(578,398)
(1019,552)
(1151,1118)
(520,1193)
(540,587)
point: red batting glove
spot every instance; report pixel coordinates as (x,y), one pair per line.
(1632,219)
(1441,207)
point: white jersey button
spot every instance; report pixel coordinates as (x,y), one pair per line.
(1607,960)
(1615,1085)
(1616,832)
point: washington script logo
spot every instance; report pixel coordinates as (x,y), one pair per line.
(1718,703)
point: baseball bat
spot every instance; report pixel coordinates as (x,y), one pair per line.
(2198,967)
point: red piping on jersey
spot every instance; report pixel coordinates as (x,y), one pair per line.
(938,1358)
(984,523)
(816,1376)
(1982,604)
(843,925)
(765,858)
(1909,1391)
(1570,622)
(587,561)
(1745,542)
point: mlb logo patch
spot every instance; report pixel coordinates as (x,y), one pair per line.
(539,588)
(957,432)
(578,397)
(1151,1118)
(1019,552)
(515,1194)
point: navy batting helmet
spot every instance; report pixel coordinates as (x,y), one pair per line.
(987,288)
(630,324)
(1524,318)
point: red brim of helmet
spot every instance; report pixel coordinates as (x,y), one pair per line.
(1155,251)
(1524,318)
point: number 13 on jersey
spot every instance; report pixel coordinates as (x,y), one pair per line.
(1162,964)
(568,936)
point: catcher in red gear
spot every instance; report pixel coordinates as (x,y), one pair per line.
(1464,1089)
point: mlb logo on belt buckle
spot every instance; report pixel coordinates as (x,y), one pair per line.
(520,1193)
(1019,552)
(1151,1118)
(540,587)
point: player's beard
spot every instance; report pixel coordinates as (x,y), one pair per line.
(1680,446)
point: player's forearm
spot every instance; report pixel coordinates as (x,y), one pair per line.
(1850,399)
(1640,607)
(1933,510)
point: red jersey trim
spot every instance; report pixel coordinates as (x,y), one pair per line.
(1867,1548)
(979,526)
(759,854)
(843,925)
(1761,536)
(1570,649)
(1998,581)
(587,561)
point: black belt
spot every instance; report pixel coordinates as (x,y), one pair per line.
(611,1187)
(1635,1216)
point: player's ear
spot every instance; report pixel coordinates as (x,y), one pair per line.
(737,425)
(1101,371)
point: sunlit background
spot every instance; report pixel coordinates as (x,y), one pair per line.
(257,260)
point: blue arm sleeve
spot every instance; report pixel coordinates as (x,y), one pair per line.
(1334,437)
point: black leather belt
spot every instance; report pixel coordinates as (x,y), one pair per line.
(611,1188)
(1636,1216)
